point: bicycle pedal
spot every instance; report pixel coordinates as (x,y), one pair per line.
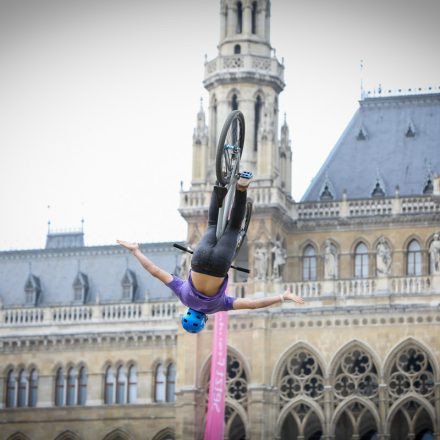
(221,192)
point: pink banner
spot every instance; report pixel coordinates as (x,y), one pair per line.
(215,417)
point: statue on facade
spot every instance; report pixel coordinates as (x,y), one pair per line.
(278,258)
(260,263)
(330,261)
(434,255)
(383,258)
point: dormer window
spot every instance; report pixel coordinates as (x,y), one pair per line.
(80,288)
(129,286)
(410,132)
(378,191)
(362,134)
(428,188)
(326,195)
(32,290)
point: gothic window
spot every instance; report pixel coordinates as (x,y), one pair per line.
(171,379)
(120,385)
(309,263)
(80,288)
(356,421)
(159,384)
(411,371)
(132,384)
(22,385)
(361,261)
(10,389)
(258,107)
(71,385)
(234,102)
(414,259)
(129,285)
(109,386)
(356,374)
(59,387)
(33,388)
(412,421)
(82,386)
(301,374)
(237,49)
(239,18)
(254,18)
(32,290)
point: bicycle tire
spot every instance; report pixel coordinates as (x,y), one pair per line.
(223,169)
(245,225)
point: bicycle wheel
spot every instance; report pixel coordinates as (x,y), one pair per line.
(229,147)
(245,225)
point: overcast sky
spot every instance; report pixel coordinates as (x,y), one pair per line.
(98,100)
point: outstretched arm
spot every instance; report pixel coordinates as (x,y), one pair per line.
(247,303)
(146,263)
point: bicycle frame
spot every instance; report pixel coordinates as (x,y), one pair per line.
(225,210)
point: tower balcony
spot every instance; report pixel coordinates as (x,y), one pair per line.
(244,67)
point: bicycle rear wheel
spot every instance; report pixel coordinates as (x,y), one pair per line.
(229,147)
(245,225)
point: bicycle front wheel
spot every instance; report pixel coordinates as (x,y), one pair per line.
(230,147)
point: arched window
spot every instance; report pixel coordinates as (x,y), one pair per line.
(132,384)
(22,384)
(171,380)
(239,17)
(237,49)
(10,389)
(361,261)
(82,386)
(159,386)
(254,17)
(71,382)
(258,107)
(309,263)
(109,386)
(33,388)
(120,385)
(414,259)
(59,387)
(234,102)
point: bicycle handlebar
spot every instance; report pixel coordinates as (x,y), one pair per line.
(190,251)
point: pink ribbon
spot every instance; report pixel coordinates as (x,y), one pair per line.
(215,417)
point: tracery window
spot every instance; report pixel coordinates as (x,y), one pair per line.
(33,388)
(356,374)
(356,421)
(109,386)
(361,261)
(159,384)
(10,389)
(170,387)
(414,259)
(59,387)
(309,263)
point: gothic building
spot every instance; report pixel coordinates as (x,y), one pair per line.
(92,348)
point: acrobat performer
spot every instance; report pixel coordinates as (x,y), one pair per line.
(204,291)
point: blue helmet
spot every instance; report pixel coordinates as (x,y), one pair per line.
(194,321)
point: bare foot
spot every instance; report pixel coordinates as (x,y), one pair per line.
(132,247)
(289,295)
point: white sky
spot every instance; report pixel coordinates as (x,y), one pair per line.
(98,100)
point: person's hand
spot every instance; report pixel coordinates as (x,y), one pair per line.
(289,295)
(132,247)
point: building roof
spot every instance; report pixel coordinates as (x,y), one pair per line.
(390,141)
(103,267)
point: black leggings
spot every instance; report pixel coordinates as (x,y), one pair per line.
(212,257)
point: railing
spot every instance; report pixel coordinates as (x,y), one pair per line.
(410,284)
(318,210)
(367,207)
(414,205)
(88,313)
(355,287)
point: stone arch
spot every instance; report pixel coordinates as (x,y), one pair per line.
(387,239)
(308,242)
(231,93)
(333,242)
(18,436)
(68,435)
(165,434)
(357,241)
(342,407)
(239,411)
(390,357)
(118,434)
(277,371)
(397,406)
(409,239)
(314,407)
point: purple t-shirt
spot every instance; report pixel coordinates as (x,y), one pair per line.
(196,300)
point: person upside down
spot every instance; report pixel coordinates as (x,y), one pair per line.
(204,291)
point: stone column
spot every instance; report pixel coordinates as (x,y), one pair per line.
(327,403)
(95,389)
(383,398)
(247,18)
